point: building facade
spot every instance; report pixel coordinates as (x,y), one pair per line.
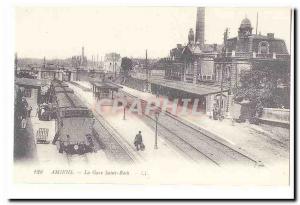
(242,52)
(194,62)
(248,51)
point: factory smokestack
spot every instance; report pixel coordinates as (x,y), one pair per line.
(200,26)
(82,53)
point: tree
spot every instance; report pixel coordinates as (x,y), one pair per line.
(126,65)
(266,84)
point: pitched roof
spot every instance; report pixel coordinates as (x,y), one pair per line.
(275,45)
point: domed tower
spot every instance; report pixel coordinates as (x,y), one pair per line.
(245,29)
(191,36)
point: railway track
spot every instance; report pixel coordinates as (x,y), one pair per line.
(110,141)
(188,150)
(195,143)
(77,159)
(113,146)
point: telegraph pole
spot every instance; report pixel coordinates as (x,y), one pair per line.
(147,71)
(221,97)
(124,108)
(222,68)
(156,121)
(114,64)
(256,23)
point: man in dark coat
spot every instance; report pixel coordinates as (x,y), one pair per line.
(138,141)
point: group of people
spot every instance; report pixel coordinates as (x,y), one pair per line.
(217,113)
(24,113)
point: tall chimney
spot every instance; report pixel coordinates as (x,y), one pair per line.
(44,63)
(82,52)
(256,26)
(200,26)
(16,61)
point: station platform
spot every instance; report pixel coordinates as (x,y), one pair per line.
(128,129)
(47,153)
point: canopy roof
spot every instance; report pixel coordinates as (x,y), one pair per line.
(197,89)
(105,85)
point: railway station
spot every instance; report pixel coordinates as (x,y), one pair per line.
(66,112)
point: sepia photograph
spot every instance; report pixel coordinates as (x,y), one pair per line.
(199,96)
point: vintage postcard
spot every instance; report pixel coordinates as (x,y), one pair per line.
(153,96)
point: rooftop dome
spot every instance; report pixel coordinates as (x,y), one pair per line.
(245,23)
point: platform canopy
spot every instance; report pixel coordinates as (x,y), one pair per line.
(105,85)
(30,82)
(197,89)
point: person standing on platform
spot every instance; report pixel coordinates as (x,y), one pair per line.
(138,142)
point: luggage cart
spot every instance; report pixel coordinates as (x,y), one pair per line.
(42,136)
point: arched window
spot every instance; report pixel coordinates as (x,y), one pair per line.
(263,47)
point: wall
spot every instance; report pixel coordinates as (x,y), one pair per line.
(274,114)
(135,83)
(206,69)
(157,74)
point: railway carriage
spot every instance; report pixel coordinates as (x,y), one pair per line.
(74,122)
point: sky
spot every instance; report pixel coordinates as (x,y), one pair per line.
(60,32)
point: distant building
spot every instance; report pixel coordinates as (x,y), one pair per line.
(193,63)
(112,63)
(79,61)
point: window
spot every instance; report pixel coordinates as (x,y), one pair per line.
(263,47)
(27,92)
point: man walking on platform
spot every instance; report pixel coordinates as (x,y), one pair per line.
(138,142)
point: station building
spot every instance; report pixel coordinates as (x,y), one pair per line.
(211,71)
(242,51)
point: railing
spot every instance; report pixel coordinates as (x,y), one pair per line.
(265,55)
(243,54)
(283,56)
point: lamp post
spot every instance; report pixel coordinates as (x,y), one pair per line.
(124,114)
(124,107)
(115,65)
(156,120)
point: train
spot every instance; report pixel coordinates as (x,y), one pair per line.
(74,121)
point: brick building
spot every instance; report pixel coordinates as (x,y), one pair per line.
(242,51)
